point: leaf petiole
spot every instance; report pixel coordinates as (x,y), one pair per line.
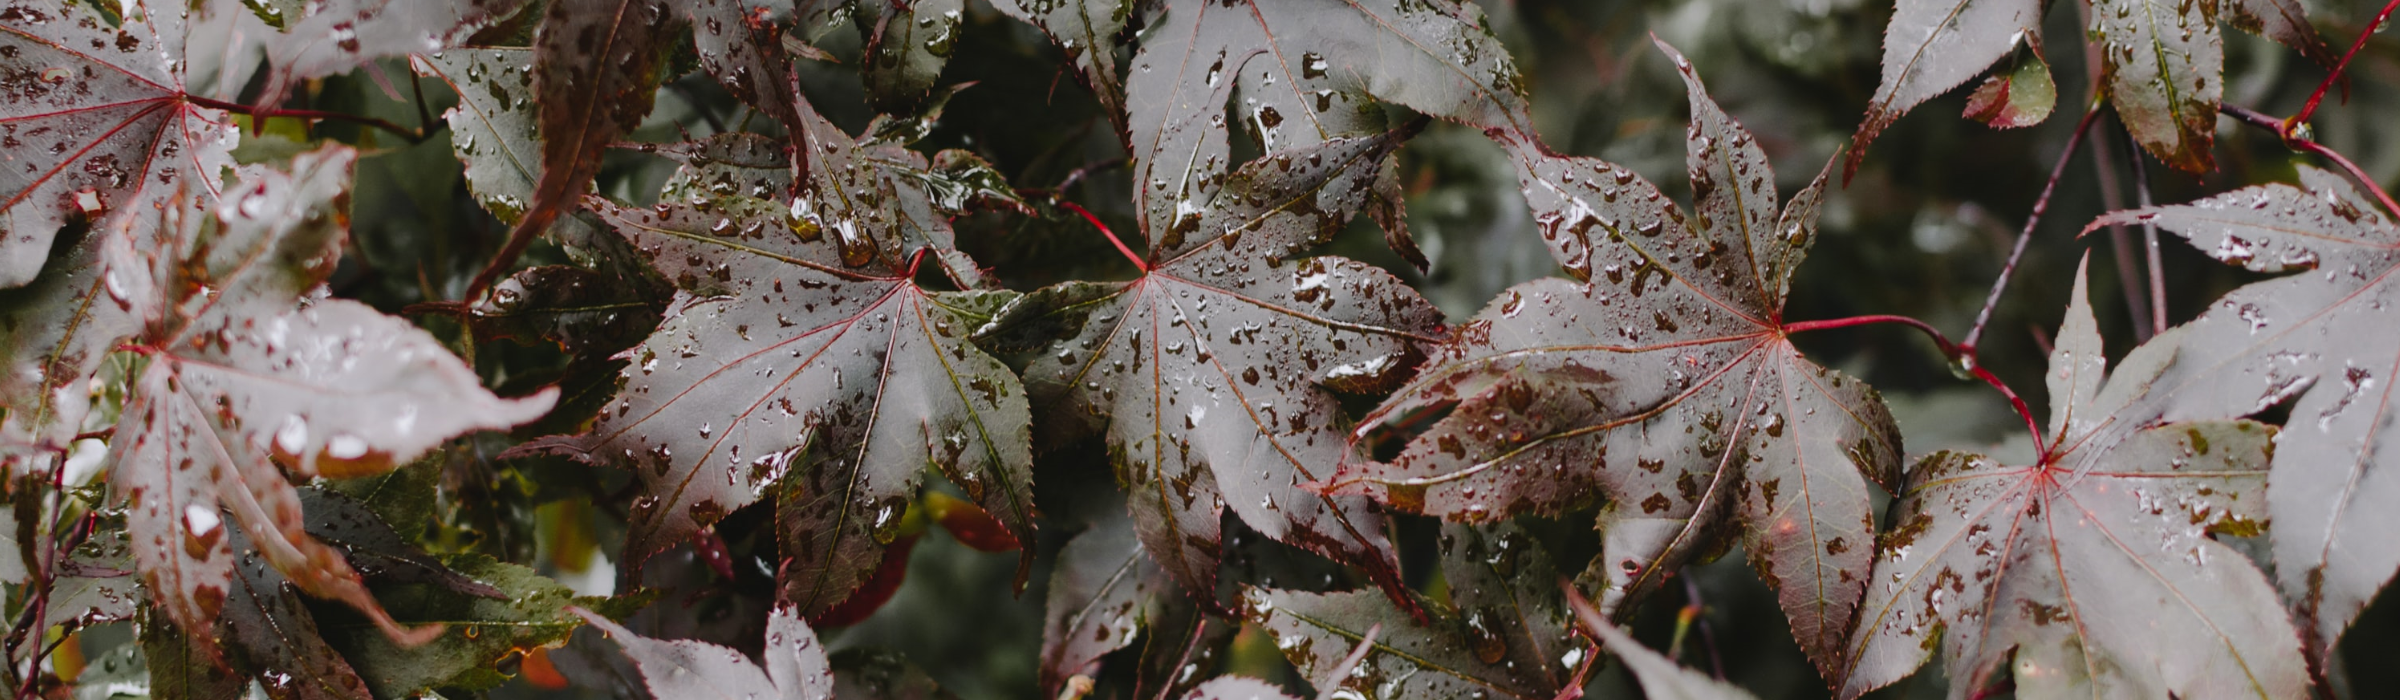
(413,136)
(2335,76)
(1112,235)
(2299,142)
(1960,356)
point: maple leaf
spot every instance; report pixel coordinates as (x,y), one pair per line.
(1214,372)
(1237,688)
(796,667)
(739,43)
(98,141)
(1665,382)
(1104,590)
(332,37)
(2164,64)
(1506,635)
(239,380)
(1932,46)
(780,363)
(1087,31)
(907,47)
(596,65)
(94,125)
(2091,572)
(1660,677)
(2318,335)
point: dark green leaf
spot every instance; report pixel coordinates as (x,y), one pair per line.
(907,46)
(2165,64)
(1935,45)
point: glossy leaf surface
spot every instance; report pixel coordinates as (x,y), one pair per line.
(1212,376)
(243,385)
(780,363)
(336,36)
(1663,381)
(796,666)
(94,126)
(2320,335)
(2165,64)
(2091,572)
(1507,636)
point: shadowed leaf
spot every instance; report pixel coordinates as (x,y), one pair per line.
(2165,64)
(796,667)
(1932,46)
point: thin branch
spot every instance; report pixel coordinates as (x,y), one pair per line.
(1693,606)
(1089,168)
(2014,401)
(411,135)
(2032,220)
(2158,273)
(2300,142)
(1950,350)
(2120,244)
(2333,77)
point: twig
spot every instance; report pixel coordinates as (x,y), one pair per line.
(2310,110)
(2032,220)
(2120,245)
(1690,615)
(2300,142)
(1958,354)
(1088,168)
(412,136)
(2158,274)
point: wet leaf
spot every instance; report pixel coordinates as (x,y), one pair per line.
(1214,373)
(337,36)
(2165,62)
(2285,21)
(1087,31)
(1663,381)
(870,199)
(581,311)
(796,667)
(728,164)
(1237,688)
(2021,96)
(2320,335)
(741,45)
(266,621)
(95,129)
(781,363)
(494,129)
(596,65)
(1508,636)
(1306,70)
(241,386)
(907,46)
(1932,46)
(2091,572)
(1102,585)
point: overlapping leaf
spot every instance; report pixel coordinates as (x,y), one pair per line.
(1100,592)
(595,67)
(1661,677)
(2165,67)
(908,44)
(783,364)
(336,36)
(239,380)
(2090,573)
(97,141)
(2324,335)
(796,666)
(1508,634)
(2163,64)
(1212,375)
(1087,31)
(94,125)
(1664,381)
